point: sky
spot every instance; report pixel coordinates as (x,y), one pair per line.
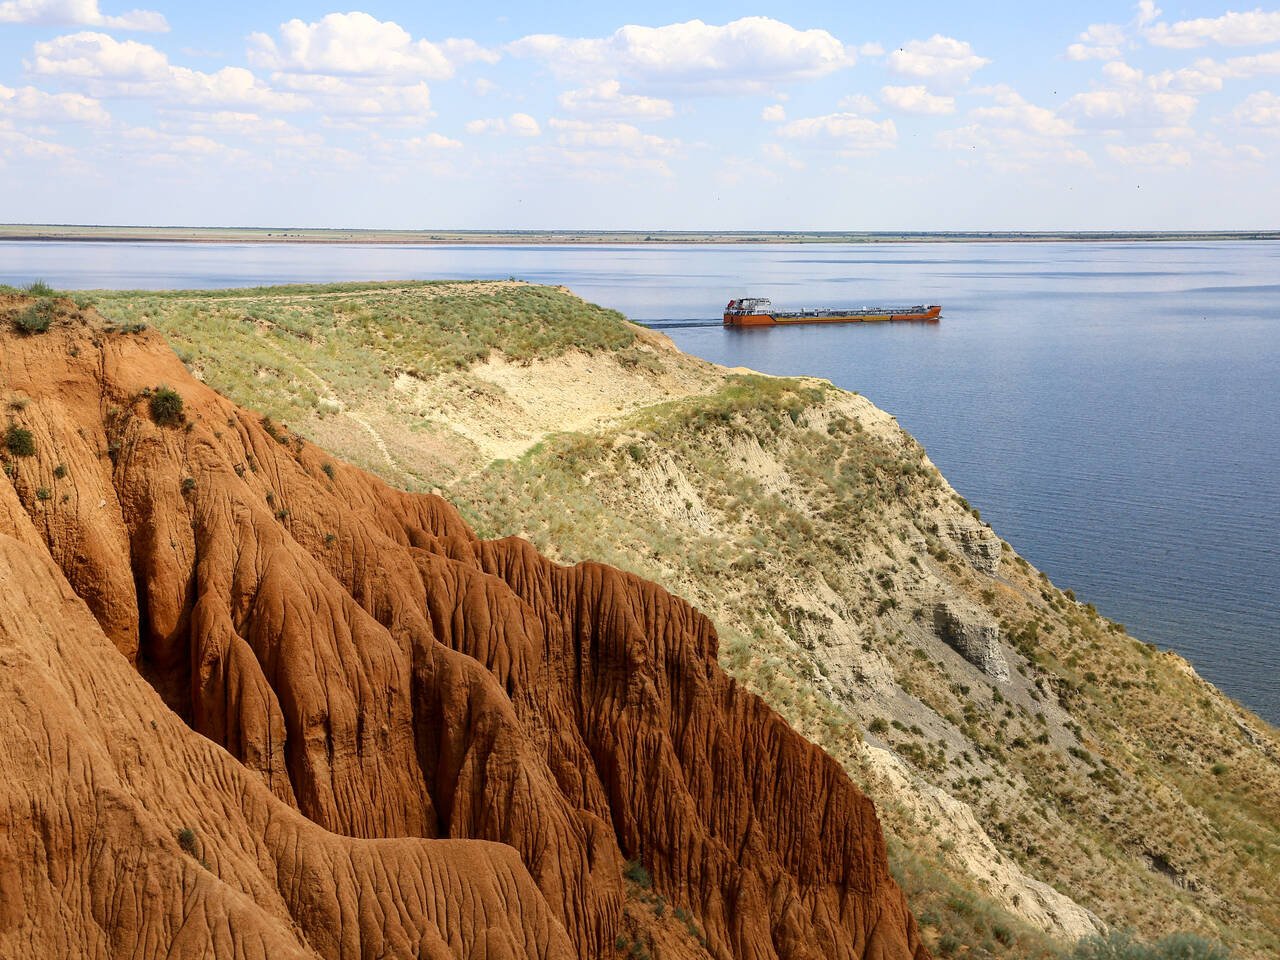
(706,116)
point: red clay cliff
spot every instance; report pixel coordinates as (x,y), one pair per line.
(386,737)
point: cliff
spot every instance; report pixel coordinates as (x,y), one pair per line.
(1039,771)
(257,702)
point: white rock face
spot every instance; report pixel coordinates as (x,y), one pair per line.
(972,633)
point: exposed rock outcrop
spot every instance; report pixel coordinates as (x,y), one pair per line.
(414,742)
(973,634)
(978,542)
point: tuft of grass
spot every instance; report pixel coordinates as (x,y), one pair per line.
(19,441)
(38,288)
(36,318)
(635,872)
(187,840)
(166,406)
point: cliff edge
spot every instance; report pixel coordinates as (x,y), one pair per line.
(257,703)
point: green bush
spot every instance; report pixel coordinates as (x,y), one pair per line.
(38,288)
(637,874)
(1120,945)
(166,406)
(19,441)
(187,840)
(36,318)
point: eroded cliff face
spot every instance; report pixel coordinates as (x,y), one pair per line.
(388,737)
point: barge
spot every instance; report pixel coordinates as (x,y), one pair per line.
(759,312)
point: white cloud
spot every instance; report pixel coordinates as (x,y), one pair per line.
(16,144)
(743,56)
(28,103)
(107,67)
(871,50)
(940,60)
(610,135)
(1014,134)
(1232,29)
(1260,109)
(430,143)
(1136,100)
(846,131)
(359,45)
(1240,68)
(1013,112)
(775,153)
(517,125)
(1158,154)
(606,100)
(858,103)
(917,100)
(774,113)
(341,97)
(158,148)
(1100,41)
(251,126)
(78,13)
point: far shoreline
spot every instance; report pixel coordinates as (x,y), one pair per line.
(67,233)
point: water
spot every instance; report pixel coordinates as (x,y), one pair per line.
(1113,409)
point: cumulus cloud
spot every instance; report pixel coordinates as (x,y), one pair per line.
(1253,28)
(107,67)
(774,113)
(517,125)
(28,103)
(744,56)
(917,99)
(606,100)
(941,61)
(610,135)
(858,103)
(1100,41)
(1136,100)
(359,45)
(430,143)
(341,97)
(1240,68)
(78,13)
(15,144)
(1157,154)
(239,123)
(1260,109)
(848,132)
(1012,133)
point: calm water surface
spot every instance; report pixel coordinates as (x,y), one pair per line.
(1113,409)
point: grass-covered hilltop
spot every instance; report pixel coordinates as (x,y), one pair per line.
(1042,775)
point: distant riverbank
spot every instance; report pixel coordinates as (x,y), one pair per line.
(174,234)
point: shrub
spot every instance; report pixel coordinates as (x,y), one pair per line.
(36,318)
(59,471)
(38,288)
(1120,945)
(44,493)
(637,874)
(166,406)
(188,484)
(878,726)
(187,840)
(328,470)
(19,441)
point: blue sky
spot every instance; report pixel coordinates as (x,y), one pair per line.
(662,116)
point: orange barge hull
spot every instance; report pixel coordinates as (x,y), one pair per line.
(930,314)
